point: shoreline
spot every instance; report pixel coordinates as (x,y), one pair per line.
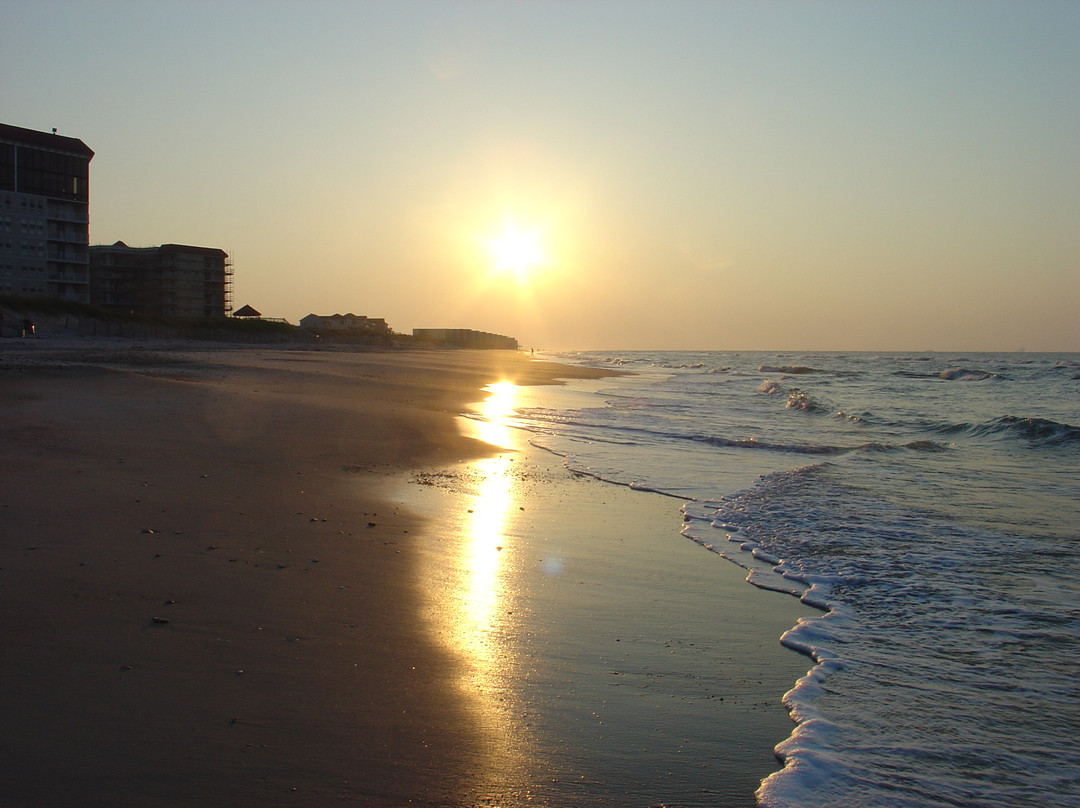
(213,596)
(616,661)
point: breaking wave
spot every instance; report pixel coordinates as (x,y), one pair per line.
(1035,431)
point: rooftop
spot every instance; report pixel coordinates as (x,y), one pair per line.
(44,140)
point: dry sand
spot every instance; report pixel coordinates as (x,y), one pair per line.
(211,592)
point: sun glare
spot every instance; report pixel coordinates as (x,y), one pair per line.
(516,250)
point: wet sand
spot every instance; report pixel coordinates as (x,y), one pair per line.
(606,659)
(213,592)
(205,600)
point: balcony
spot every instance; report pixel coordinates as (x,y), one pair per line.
(67,215)
(64,256)
(82,279)
(68,235)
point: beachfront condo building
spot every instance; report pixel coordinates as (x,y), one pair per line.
(44,214)
(172,280)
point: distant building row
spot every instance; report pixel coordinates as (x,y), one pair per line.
(464,338)
(45,238)
(45,250)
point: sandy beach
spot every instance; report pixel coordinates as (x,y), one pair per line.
(225,580)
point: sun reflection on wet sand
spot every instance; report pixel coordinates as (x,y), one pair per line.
(472,588)
(484,531)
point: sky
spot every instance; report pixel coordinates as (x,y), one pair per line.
(764,175)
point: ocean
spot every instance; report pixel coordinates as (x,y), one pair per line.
(926,505)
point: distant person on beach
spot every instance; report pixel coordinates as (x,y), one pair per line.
(28,328)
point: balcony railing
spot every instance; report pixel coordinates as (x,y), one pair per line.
(68,236)
(66,257)
(68,215)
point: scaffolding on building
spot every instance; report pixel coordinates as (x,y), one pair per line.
(228,284)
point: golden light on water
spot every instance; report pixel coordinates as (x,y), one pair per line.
(493,412)
(484,541)
(482,554)
(473,584)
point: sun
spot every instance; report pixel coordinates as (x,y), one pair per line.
(516,250)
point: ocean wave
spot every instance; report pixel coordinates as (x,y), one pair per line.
(925,446)
(855,419)
(811,449)
(582,425)
(913,446)
(1036,431)
(754,443)
(770,387)
(908,610)
(790,370)
(1039,430)
(911,374)
(965,375)
(798,400)
(688,366)
(950,375)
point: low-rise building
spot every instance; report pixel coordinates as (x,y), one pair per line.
(173,280)
(464,338)
(345,324)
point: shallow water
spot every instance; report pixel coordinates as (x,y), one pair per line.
(928,505)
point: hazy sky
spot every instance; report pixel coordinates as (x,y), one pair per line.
(715,175)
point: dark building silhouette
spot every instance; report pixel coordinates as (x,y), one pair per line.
(173,280)
(44,214)
(465,338)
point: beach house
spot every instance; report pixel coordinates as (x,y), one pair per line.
(345,324)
